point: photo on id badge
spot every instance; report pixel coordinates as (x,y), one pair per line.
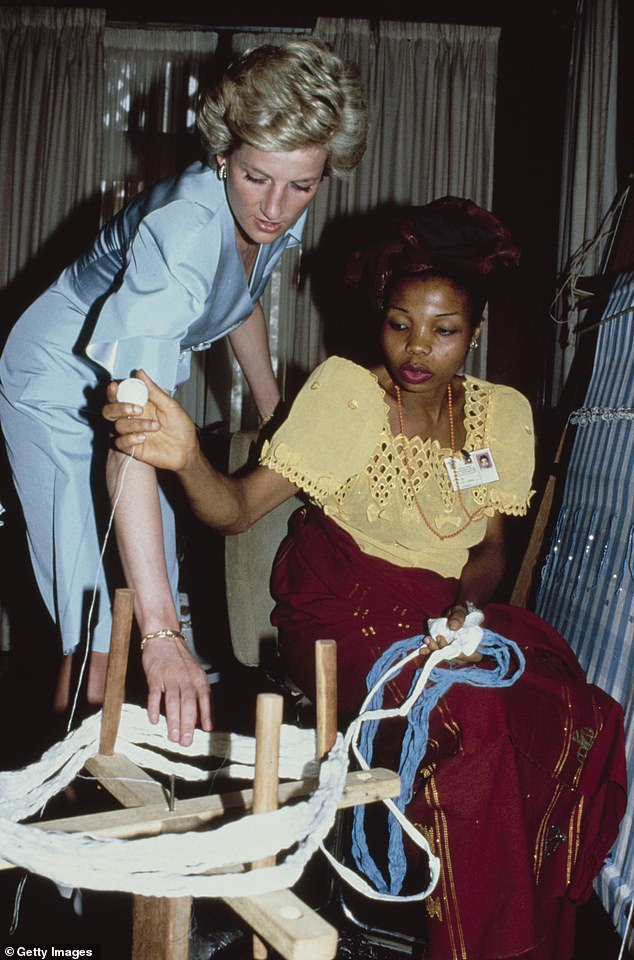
(471,469)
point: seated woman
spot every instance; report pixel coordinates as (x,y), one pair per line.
(409,469)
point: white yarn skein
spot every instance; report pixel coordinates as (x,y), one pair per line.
(463,642)
(172,864)
(132,390)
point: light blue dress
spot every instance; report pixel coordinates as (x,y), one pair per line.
(162,278)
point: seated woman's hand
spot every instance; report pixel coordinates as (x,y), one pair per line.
(431,644)
(455,616)
(161,434)
(174,677)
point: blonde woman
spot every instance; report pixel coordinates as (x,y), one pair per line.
(184,264)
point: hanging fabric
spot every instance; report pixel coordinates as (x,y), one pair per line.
(587,588)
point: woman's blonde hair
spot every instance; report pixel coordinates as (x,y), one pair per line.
(287,97)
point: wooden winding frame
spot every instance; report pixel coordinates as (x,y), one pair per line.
(160,925)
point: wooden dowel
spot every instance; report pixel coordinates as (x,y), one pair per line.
(161,928)
(326,695)
(520,594)
(122,613)
(268,721)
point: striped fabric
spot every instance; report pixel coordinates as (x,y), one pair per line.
(587,587)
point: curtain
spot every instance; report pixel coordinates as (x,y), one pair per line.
(50,144)
(50,123)
(589,179)
(431,91)
(151,83)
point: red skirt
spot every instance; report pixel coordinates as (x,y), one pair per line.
(521,790)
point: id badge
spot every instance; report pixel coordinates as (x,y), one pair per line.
(471,469)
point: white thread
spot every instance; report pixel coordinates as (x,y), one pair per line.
(138,866)
(15,917)
(172,864)
(626,932)
(122,472)
(463,642)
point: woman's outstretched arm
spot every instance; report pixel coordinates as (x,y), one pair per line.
(172,673)
(164,436)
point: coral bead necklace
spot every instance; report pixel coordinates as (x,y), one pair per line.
(452,444)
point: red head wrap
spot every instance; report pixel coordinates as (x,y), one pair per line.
(451,235)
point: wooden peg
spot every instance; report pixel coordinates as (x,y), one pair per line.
(122,613)
(268,721)
(326,695)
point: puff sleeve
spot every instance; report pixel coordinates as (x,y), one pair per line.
(331,430)
(511,437)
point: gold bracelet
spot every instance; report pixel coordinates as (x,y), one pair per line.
(162,633)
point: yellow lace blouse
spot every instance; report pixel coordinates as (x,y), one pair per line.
(336,444)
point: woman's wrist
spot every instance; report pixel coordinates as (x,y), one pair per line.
(194,462)
(165,633)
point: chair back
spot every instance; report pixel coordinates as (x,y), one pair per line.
(248,563)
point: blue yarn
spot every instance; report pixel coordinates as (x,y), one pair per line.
(414,745)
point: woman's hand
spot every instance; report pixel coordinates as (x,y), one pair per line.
(456,615)
(431,644)
(162,434)
(174,676)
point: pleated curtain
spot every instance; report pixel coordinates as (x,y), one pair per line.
(51,69)
(589,174)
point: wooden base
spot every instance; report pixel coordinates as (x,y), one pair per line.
(288,925)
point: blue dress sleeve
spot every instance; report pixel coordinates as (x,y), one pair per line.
(168,283)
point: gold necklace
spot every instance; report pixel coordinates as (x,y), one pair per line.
(452,442)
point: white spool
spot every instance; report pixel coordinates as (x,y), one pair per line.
(132,390)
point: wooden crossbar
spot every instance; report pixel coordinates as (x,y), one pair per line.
(152,819)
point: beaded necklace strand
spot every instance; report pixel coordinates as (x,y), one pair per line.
(452,442)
